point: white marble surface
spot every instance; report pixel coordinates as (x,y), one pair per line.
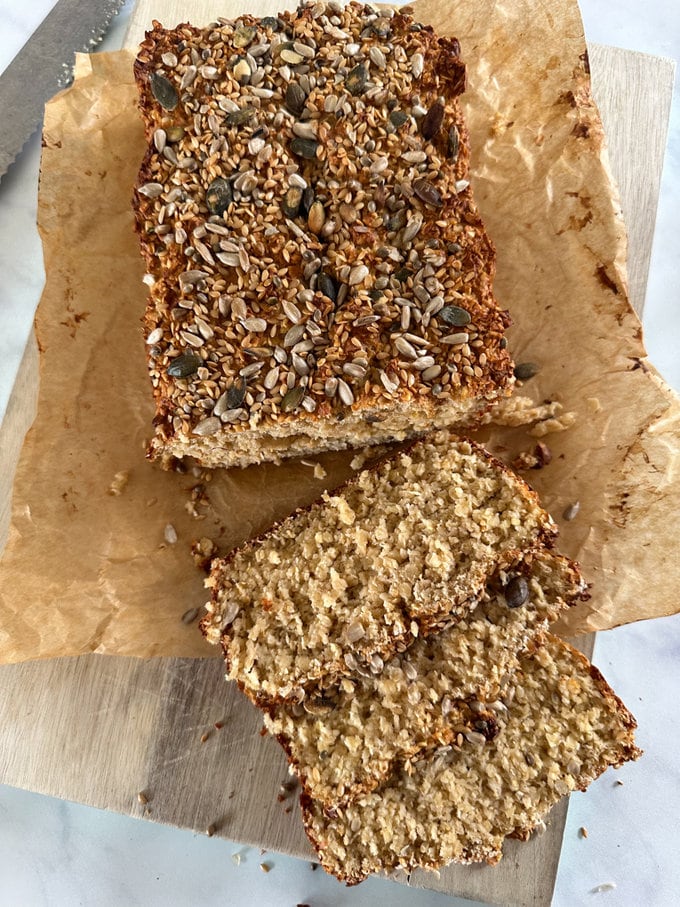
(58,853)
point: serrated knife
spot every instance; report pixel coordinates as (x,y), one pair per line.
(44,65)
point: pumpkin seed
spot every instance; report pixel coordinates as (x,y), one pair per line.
(292,399)
(174,133)
(516,592)
(356,79)
(427,193)
(432,121)
(307,201)
(295,98)
(398,118)
(243,36)
(236,393)
(526,370)
(218,196)
(291,202)
(183,366)
(455,315)
(326,285)
(305,148)
(240,117)
(163,91)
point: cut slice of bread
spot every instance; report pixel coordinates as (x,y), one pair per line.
(563,728)
(318,271)
(344,741)
(408,543)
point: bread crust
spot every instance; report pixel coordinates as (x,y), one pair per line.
(363,380)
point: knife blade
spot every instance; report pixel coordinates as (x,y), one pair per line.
(44,65)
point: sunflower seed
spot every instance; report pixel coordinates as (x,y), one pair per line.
(345,392)
(291,311)
(354,370)
(424,362)
(293,335)
(379,165)
(412,228)
(414,157)
(431,373)
(289,55)
(184,366)
(249,371)
(461,185)
(297,181)
(405,348)
(357,275)
(271,379)
(304,129)
(159,139)
(188,78)
(151,190)
(209,426)
(417,64)
(256,325)
(377,57)
(163,91)
(453,143)
(570,512)
(230,259)
(455,339)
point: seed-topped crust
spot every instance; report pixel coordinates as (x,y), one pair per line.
(446,689)
(564,726)
(407,544)
(319,273)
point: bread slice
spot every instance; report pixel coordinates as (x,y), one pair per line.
(319,274)
(564,727)
(343,742)
(408,543)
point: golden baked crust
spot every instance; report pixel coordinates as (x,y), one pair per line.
(564,727)
(319,274)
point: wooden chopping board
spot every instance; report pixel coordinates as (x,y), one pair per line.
(121,726)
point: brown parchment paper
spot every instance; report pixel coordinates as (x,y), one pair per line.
(87,570)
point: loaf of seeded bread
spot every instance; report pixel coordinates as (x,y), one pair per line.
(564,726)
(344,741)
(407,544)
(319,275)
